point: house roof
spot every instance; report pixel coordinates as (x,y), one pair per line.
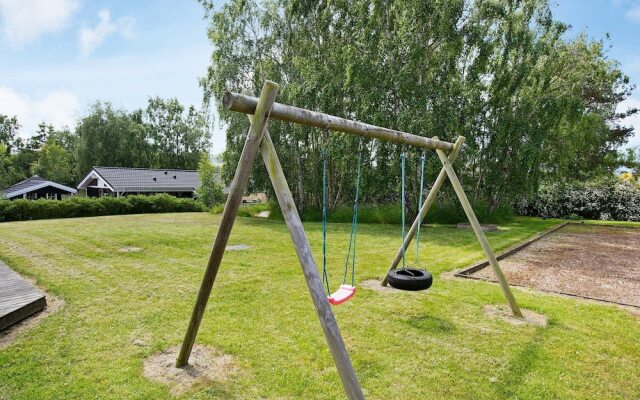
(31,184)
(148,180)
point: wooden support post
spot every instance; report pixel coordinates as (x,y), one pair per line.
(310,270)
(431,197)
(477,229)
(243,171)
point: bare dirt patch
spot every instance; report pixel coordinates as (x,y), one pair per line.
(10,334)
(130,249)
(504,313)
(237,247)
(590,261)
(205,365)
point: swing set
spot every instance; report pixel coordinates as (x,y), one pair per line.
(259,111)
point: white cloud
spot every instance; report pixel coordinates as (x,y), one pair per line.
(58,108)
(634,120)
(90,39)
(634,13)
(23,21)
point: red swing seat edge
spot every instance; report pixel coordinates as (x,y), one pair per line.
(342,295)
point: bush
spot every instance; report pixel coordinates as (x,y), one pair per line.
(607,199)
(440,213)
(20,210)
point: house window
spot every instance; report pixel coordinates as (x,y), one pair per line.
(32,196)
(52,196)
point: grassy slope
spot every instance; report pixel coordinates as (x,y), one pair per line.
(404,346)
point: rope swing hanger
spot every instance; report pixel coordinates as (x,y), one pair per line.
(407,278)
(346,291)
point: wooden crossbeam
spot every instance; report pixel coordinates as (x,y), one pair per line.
(247,104)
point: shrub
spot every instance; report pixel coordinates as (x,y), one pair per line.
(20,210)
(607,199)
(440,213)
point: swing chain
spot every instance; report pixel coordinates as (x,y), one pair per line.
(354,223)
(324,152)
(403,157)
(422,162)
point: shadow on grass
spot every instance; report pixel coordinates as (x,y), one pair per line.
(511,379)
(431,324)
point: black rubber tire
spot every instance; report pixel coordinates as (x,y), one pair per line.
(410,279)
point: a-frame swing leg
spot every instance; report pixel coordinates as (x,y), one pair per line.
(243,171)
(424,209)
(310,270)
(477,229)
(258,134)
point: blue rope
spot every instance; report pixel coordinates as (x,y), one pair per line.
(402,163)
(354,225)
(325,275)
(422,160)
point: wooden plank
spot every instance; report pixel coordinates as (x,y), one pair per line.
(477,229)
(431,197)
(519,246)
(234,199)
(247,104)
(310,270)
(22,312)
(18,297)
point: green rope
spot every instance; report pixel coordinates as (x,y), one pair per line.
(422,160)
(325,275)
(354,225)
(402,164)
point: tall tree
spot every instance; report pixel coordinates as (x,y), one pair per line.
(499,73)
(9,127)
(178,136)
(111,137)
(54,163)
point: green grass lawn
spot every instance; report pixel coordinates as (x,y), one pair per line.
(433,345)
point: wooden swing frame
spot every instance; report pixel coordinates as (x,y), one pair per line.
(260,110)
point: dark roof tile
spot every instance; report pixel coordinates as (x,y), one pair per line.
(149,180)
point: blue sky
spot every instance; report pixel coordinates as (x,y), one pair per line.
(58,56)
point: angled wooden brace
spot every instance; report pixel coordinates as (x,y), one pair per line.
(431,197)
(477,229)
(243,171)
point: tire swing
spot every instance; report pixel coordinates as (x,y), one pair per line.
(345,291)
(407,278)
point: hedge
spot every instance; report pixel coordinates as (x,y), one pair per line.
(21,210)
(601,200)
(443,212)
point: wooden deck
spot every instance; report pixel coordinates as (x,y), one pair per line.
(18,297)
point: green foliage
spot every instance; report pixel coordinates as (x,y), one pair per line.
(177,138)
(5,167)
(9,127)
(210,190)
(533,106)
(440,213)
(21,210)
(603,199)
(110,137)
(54,163)
(246,210)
